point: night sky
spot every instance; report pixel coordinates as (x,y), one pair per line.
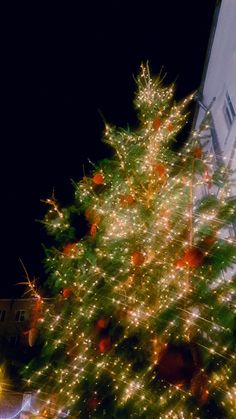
(65,63)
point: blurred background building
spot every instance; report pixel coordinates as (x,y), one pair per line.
(17,347)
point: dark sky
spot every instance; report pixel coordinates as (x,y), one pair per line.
(62,62)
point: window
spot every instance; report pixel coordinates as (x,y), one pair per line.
(228,110)
(2,315)
(233,229)
(20,316)
(215,144)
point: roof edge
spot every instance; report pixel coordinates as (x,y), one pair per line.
(207,59)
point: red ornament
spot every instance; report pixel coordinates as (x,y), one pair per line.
(156,123)
(93,403)
(104,345)
(98,179)
(35,316)
(137,258)
(70,249)
(101,324)
(180,263)
(199,387)
(66,292)
(176,364)
(91,216)
(197,152)
(170,127)
(32,337)
(160,170)
(192,258)
(126,200)
(93,229)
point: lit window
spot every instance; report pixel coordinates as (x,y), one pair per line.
(228,110)
(20,316)
(2,315)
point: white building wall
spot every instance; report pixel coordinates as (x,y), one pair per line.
(219,86)
(218,94)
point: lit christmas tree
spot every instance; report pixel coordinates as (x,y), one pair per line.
(143,325)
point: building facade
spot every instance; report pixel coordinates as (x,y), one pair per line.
(16,349)
(217,93)
(15,317)
(217,99)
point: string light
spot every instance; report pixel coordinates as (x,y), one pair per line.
(166,222)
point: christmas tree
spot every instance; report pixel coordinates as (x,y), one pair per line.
(143,322)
